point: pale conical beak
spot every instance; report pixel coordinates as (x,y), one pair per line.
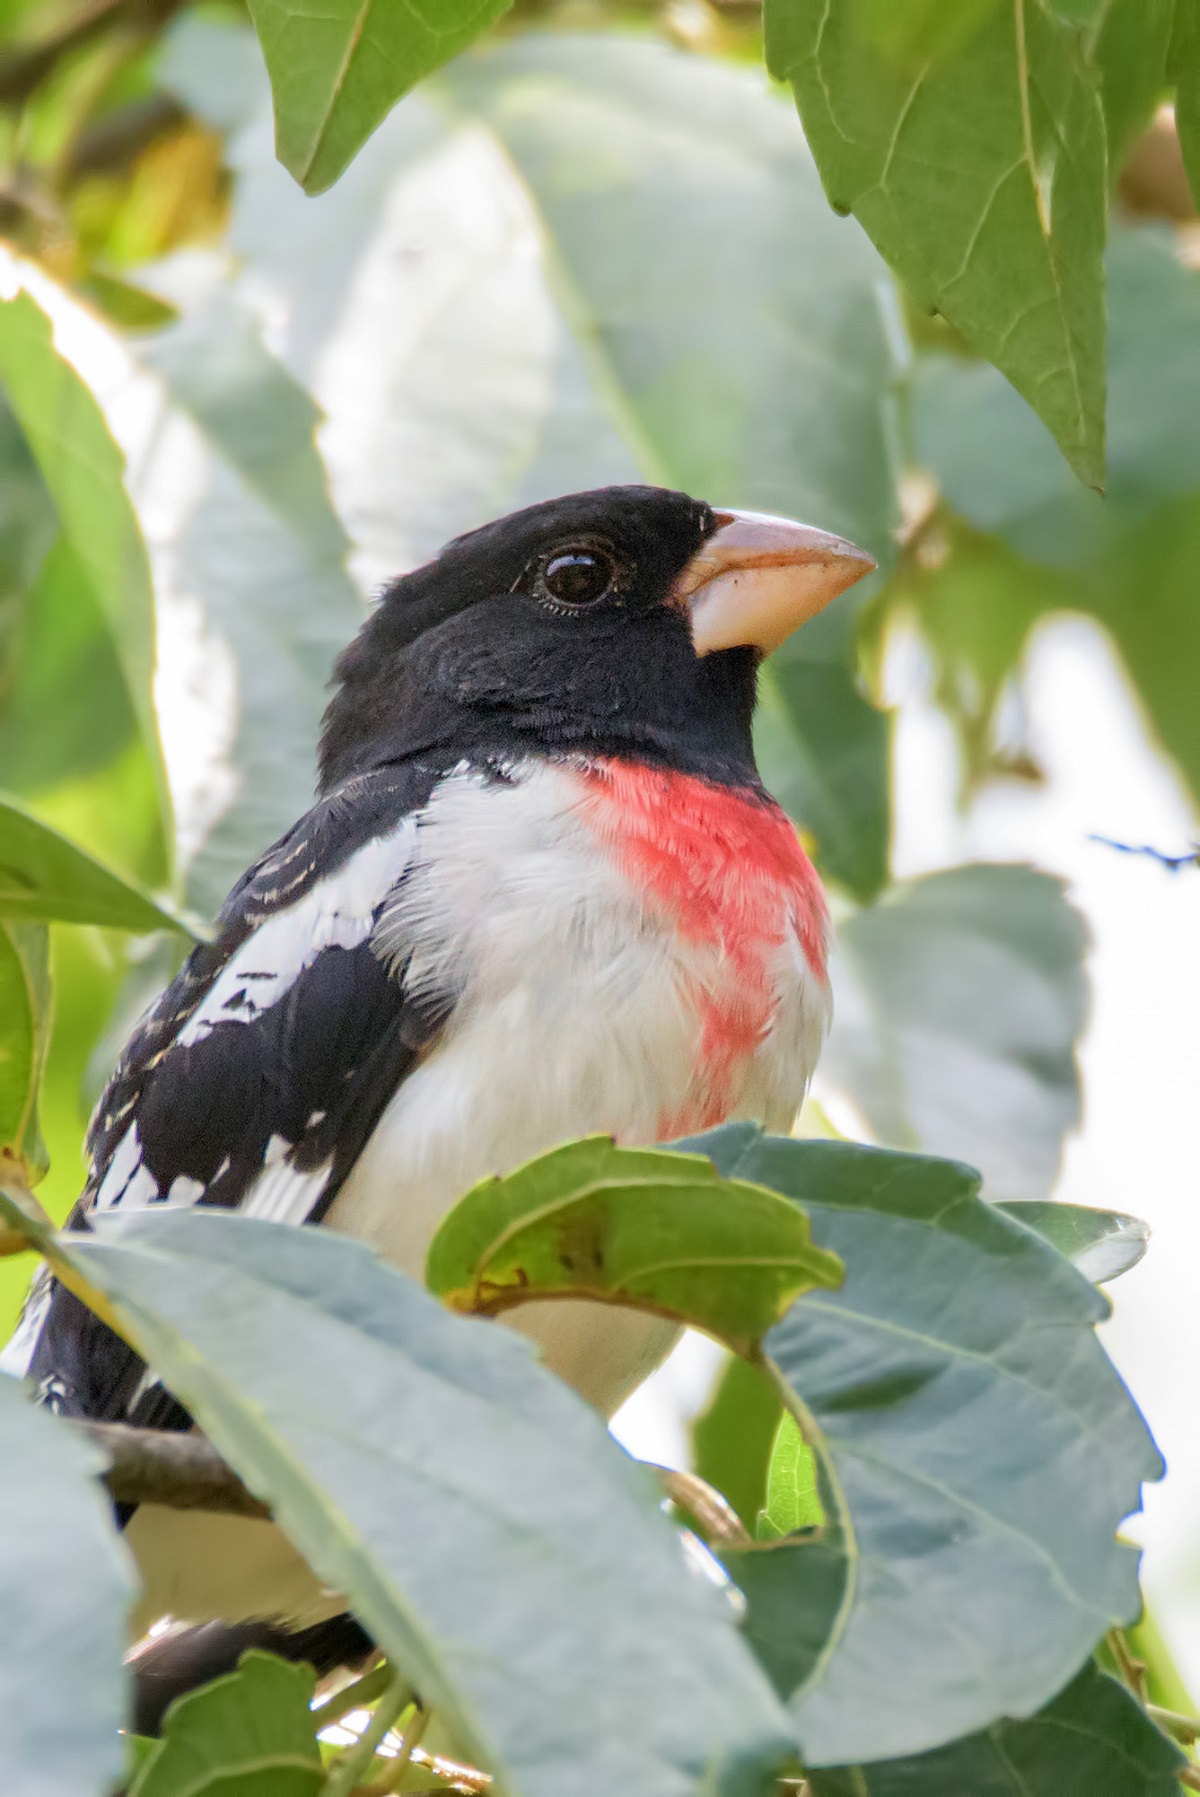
(757,579)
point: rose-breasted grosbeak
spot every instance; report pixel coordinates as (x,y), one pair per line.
(541,893)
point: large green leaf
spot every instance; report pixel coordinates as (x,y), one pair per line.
(249,1734)
(64,1588)
(959,999)
(654,1230)
(337,71)
(1093,1739)
(981,175)
(24,1034)
(261,550)
(84,472)
(517,294)
(45,878)
(976,1455)
(419,1460)
(66,710)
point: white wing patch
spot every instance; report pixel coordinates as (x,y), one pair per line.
(336,913)
(282,1193)
(126,1181)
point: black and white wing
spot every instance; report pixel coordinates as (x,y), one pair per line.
(257,1077)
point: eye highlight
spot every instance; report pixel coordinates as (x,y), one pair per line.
(578,576)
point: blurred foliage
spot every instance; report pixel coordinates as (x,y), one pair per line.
(597,248)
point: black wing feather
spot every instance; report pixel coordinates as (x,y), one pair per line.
(316,1068)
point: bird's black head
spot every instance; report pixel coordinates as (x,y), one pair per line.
(619,622)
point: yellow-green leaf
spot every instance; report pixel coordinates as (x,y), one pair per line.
(641,1227)
(338,69)
(981,174)
(24,1035)
(45,877)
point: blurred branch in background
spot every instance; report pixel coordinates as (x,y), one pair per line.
(1172,862)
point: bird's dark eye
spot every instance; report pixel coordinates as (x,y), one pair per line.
(578,576)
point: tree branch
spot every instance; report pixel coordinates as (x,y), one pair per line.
(162,1466)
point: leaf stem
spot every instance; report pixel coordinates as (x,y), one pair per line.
(349,1766)
(1184,1728)
(1132,1670)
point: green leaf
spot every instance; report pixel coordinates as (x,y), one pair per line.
(67,710)
(976,1455)
(921,31)
(982,179)
(85,974)
(337,72)
(1183,67)
(825,754)
(959,999)
(84,472)
(24,1035)
(1130,54)
(1102,1243)
(655,1230)
(733,1436)
(261,553)
(1081,12)
(249,1734)
(43,877)
(1129,560)
(792,1500)
(27,528)
(433,1460)
(64,1588)
(1094,1737)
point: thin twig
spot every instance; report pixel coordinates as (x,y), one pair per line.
(459,1777)
(1189,1776)
(1132,1670)
(349,1767)
(163,1466)
(710,1508)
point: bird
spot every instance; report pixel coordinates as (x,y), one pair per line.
(541,893)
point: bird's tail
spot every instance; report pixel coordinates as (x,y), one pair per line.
(169,1666)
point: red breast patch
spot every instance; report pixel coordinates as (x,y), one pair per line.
(727,869)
